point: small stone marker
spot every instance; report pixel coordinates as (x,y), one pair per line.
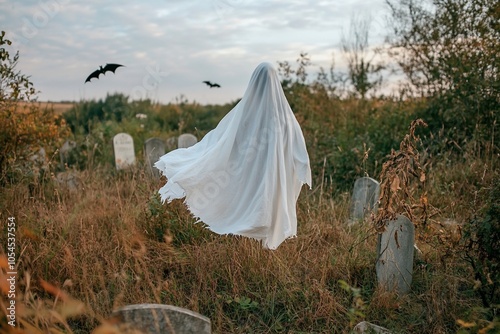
(68,180)
(364,198)
(40,157)
(186,140)
(65,150)
(123,146)
(163,319)
(395,255)
(171,143)
(154,148)
(366,327)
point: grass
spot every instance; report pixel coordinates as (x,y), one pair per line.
(111,243)
(58,107)
(81,253)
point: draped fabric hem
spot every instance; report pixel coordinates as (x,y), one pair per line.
(244,177)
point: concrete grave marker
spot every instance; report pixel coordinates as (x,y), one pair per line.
(163,319)
(367,327)
(68,180)
(364,198)
(40,157)
(123,146)
(186,140)
(395,255)
(154,148)
(65,150)
(171,143)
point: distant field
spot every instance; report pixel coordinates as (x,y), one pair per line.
(59,107)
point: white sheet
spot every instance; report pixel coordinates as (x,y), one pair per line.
(244,176)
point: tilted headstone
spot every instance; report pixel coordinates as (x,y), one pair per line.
(186,140)
(171,143)
(395,255)
(163,319)
(367,327)
(154,148)
(123,146)
(65,150)
(364,198)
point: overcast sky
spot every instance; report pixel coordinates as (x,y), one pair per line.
(169,47)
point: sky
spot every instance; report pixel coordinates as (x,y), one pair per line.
(168,47)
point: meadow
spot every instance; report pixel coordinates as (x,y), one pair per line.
(78,252)
(83,252)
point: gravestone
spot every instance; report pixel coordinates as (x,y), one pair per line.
(154,148)
(65,150)
(123,146)
(171,143)
(186,140)
(364,198)
(40,157)
(163,319)
(68,180)
(367,327)
(395,255)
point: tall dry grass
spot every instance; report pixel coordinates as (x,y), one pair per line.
(111,243)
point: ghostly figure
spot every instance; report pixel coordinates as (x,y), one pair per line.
(244,177)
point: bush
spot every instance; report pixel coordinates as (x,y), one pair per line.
(448,51)
(24,126)
(482,242)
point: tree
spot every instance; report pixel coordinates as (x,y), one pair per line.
(364,73)
(24,126)
(449,52)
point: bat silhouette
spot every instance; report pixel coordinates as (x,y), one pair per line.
(102,70)
(211,84)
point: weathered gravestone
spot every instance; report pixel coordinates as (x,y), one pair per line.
(123,146)
(171,143)
(186,140)
(163,319)
(40,157)
(367,327)
(64,152)
(154,148)
(364,198)
(39,163)
(395,255)
(68,180)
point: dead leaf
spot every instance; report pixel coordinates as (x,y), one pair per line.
(395,184)
(465,324)
(422,177)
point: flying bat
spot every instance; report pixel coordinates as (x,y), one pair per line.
(103,70)
(211,84)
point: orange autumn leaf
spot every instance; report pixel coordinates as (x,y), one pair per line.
(395,184)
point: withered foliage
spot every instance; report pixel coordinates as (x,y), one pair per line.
(402,188)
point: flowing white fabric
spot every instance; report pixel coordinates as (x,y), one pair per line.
(244,176)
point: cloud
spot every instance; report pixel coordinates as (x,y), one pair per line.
(60,41)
